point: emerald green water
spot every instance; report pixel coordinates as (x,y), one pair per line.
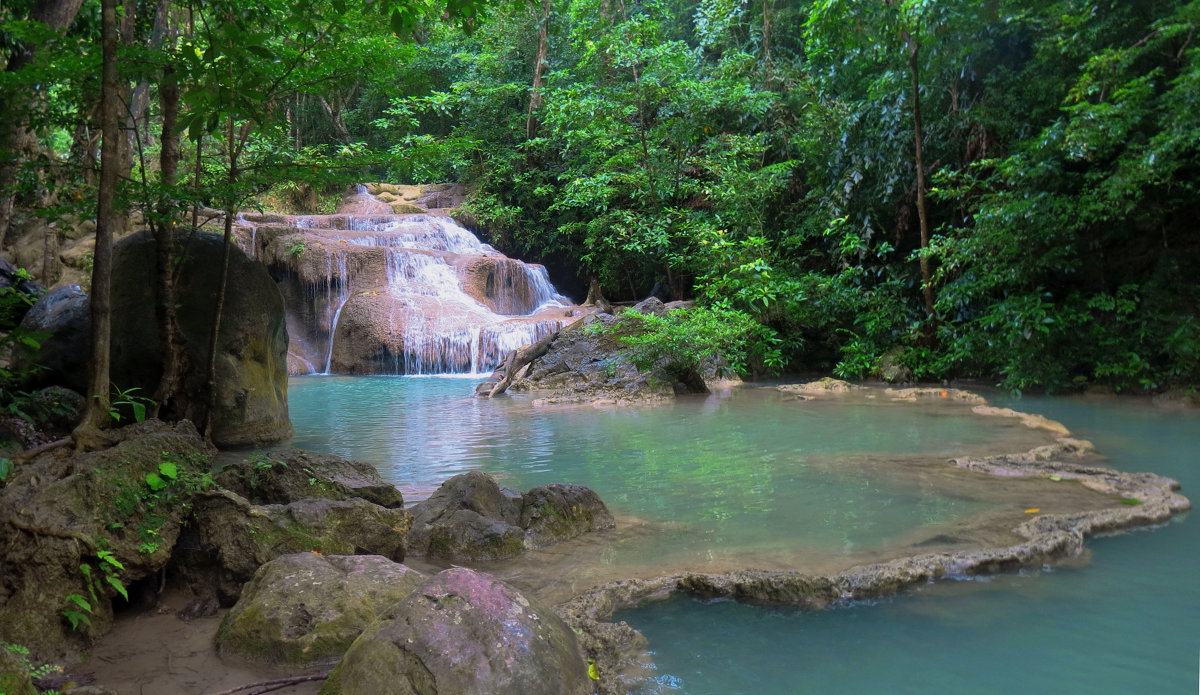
(1128,622)
(748,479)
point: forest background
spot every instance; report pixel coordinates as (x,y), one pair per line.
(1004,189)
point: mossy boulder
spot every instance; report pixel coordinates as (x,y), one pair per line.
(465,633)
(554,513)
(471,518)
(63,511)
(285,474)
(251,361)
(231,538)
(468,518)
(307,609)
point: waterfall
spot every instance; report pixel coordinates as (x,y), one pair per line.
(418,294)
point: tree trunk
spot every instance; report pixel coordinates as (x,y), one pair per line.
(914,49)
(539,67)
(165,251)
(16,138)
(88,435)
(517,360)
(596,298)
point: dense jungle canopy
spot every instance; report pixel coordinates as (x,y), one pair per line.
(1004,189)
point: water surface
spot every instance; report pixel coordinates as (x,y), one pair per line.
(1128,622)
(750,478)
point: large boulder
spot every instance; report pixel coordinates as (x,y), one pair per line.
(251,363)
(464,633)
(116,512)
(230,538)
(285,474)
(471,518)
(61,315)
(307,609)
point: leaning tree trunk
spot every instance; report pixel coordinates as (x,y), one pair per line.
(88,435)
(539,67)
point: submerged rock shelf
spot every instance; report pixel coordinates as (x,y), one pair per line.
(1140,499)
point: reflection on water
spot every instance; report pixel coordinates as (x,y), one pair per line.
(746,479)
(1126,623)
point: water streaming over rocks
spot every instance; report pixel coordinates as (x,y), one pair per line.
(375,293)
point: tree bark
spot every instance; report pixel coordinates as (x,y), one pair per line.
(88,435)
(914,49)
(539,67)
(172,344)
(596,298)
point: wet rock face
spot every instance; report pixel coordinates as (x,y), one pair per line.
(465,633)
(285,474)
(307,609)
(59,506)
(231,538)
(471,518)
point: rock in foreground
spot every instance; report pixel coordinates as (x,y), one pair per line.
(472,518)
(307,609)
(468,634)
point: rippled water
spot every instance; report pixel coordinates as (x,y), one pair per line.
(745,479)
(1128,622)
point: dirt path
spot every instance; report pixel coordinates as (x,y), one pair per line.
(157,653)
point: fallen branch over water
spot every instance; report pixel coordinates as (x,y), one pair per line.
(517,360)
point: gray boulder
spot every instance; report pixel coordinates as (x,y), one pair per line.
(307,609)
(286,474)
(472,518)
(464,633)
(231,538)
(62,316)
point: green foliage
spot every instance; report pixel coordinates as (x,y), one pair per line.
(30,671)
(126,399)
(685,339)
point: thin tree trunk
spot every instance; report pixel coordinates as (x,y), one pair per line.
(87,435)
(165,249)
(539,67)
(914,49)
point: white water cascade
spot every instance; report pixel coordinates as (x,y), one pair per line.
(401,294)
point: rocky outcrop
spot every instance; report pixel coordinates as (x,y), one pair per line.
(230,538)
(116,512)
(472,518)
(587,363)
(285,474)
(251,365)
(466,633)
(307,609)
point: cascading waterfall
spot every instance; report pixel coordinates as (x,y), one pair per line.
(422,295)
